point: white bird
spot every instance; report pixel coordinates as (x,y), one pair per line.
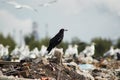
(75,50)
(20,6)
(68,51)
(34,53)
(43,50)
(15,51)
(1,50)
(89,50)
(22,47)
(110,52)
(48,3)
(24,53)
(6,51)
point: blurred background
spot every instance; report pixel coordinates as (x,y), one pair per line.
(34,22)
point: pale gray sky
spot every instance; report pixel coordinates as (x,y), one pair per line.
(85,19)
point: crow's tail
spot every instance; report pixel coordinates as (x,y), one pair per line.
(49,49)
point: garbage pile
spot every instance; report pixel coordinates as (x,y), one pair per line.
(56,68)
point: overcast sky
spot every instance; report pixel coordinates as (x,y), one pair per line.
(85,19)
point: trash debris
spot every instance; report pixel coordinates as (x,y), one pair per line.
(55,69)
(86,66)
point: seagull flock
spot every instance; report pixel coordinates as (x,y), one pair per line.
(20,6)
(23,51)
(17,5)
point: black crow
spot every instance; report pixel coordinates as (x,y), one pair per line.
(56,40)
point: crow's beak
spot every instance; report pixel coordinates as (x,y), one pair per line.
(65,30)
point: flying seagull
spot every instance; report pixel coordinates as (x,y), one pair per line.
(20,6)
(56,39)
(48,3)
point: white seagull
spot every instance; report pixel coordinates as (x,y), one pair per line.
(75,50)
(34,53)
(48,3)
(16,52)
(110,52)
(1,50)
(6,51)
(25,52)
(89,50)
(68,52)
(43,50)
(20,6)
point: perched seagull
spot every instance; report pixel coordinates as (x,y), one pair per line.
(16,52)
(1,50)
(56,40)
(34,53)
(48,3)
(6,51)
(19,6)
(71,51)
(6,55)
(110,52)
(43,50)
(24,53)
(89,50)
(75,51)
(68,51)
